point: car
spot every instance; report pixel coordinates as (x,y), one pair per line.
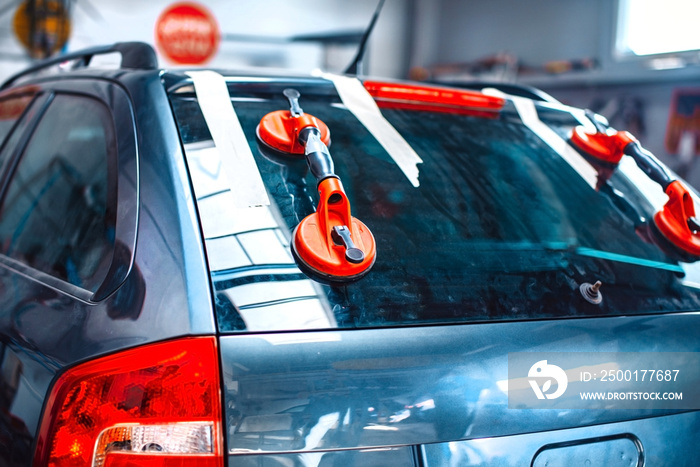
(207,267)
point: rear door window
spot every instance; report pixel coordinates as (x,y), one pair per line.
(57,213)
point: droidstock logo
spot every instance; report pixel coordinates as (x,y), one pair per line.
(541,376)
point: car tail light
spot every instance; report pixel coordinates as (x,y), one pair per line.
(434,99)
(156,405)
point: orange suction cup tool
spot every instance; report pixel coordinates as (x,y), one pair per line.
(677,221)
(603,147)
(330,243)
(606,146)
(281,129)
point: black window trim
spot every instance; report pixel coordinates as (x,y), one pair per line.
(117,100)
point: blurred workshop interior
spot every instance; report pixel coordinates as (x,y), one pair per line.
(636,62)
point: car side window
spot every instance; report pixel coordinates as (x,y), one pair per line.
(58,212)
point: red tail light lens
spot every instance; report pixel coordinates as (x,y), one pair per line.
(156,405)
(434,99)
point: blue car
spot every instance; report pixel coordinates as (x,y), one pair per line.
(208,268)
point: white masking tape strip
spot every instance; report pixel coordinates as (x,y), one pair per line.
(362,105)
(528,114)
(237,159)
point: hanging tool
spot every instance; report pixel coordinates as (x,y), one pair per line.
(329,245)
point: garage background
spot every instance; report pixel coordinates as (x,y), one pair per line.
(597,54)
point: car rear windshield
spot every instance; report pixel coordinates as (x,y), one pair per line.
(502,227)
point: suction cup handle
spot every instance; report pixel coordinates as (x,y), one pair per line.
(341,235)
(317,155)
(323,242)
(600,128)
(649,165)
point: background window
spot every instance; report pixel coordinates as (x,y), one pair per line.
(648,27)
(57,214)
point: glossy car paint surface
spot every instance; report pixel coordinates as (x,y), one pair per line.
(317,391)
(166,293)
(323,394)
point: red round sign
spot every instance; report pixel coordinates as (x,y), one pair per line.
(186,33)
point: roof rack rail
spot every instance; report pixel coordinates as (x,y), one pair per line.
(135,55)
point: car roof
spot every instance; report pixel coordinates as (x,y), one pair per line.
(140,57)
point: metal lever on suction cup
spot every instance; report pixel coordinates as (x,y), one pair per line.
(293,96)
(341,236)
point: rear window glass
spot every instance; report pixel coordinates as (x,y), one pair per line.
(500,228)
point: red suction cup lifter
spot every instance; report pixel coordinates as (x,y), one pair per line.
(329,244)
(677,221)
(282,129)
(332,243)
(608,146)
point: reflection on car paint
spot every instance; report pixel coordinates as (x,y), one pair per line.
(23,380)
(381,457)
(316,391)
(247,250)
